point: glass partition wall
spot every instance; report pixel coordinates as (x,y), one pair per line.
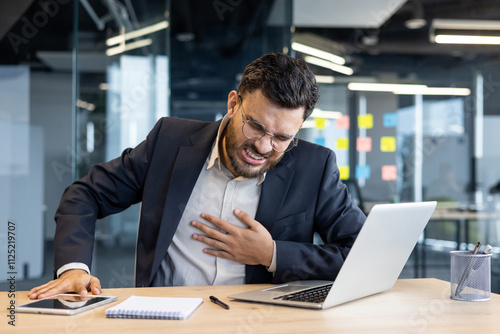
(123,88)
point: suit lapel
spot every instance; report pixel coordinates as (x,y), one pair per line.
(189,161)
(274,190)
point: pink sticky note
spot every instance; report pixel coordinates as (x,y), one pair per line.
(389,173)
(364,144)
(343,122)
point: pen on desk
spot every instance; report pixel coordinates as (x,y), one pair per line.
(218,302)
(465,275)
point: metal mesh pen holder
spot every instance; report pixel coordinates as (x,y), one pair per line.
(470,276)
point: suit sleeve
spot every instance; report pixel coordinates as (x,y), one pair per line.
(108,188)
(336,219)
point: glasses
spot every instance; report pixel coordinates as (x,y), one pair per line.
(254,130)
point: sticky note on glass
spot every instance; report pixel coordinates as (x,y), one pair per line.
(364,144)
(363,172)
(365,121)
(320,141)
(320,123)
(343,143)
(390,120)
(389,173)
(344,172)
(343,122)
(388,144)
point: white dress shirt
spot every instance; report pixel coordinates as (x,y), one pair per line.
(217,193)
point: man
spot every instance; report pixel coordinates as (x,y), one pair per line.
(231,202)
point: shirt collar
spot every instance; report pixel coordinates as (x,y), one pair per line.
(215,154)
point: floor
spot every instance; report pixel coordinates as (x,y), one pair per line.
(114,266)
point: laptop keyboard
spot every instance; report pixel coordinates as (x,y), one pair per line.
(313,295)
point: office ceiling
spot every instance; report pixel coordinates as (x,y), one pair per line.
(205,45)
(384,31)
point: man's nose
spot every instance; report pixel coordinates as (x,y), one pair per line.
(264,145)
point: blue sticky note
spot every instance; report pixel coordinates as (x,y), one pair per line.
(390,120)
(320,141)
(363,172)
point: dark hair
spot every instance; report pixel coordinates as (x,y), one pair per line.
(286,81)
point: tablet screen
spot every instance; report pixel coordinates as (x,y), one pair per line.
(65,303)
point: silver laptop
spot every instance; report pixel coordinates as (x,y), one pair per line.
(373,265)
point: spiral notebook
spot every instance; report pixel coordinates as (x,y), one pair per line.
(167,308)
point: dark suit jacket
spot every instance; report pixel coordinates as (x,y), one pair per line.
(300,196)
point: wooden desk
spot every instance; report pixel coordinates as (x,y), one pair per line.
(412,306)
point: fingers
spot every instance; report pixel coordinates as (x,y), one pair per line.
(95,286)
(211,232)
(51,288)
(219,223)
(71,281)
(230,228)
(213,238)
(245,218)
(219,253)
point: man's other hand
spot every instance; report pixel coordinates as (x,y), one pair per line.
(75,280)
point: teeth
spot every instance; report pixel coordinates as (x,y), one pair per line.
(253,156)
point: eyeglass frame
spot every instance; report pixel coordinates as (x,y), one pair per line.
(294,140)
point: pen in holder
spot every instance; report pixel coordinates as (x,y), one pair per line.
(470,276)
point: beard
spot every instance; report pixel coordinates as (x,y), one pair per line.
(238,164)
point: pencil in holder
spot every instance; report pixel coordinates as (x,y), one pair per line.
(470,276)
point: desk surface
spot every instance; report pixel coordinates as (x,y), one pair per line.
(411,306)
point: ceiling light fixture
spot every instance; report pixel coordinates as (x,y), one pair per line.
(137,33)
(127,47)
(329,65)
(452,91)
(384,87)
(449,31)
(318,53)
(325,79)
(417,20)
(467,39)
(408,89)
(318,113)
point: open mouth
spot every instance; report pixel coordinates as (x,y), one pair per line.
(252,158)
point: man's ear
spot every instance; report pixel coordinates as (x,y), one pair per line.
(232,103)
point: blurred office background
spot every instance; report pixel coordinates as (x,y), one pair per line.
(411,115)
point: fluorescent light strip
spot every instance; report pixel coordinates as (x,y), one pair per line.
(438,91)
(407,89)
(329,65)
(318,53)
(318,113)
(467,39)
(130,46)
(324,79)
(457,24)
(137,33)
(384,87)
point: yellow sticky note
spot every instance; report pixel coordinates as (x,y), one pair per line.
(344,172)
(343,143)
(365,121)
(388,144)
(320,123)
